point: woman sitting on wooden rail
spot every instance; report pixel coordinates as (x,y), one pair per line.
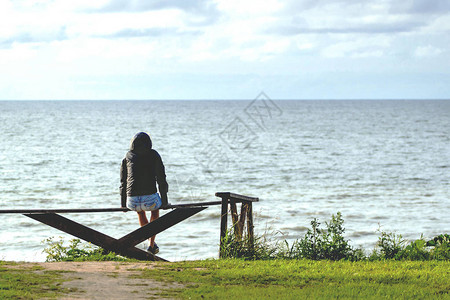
(141,168)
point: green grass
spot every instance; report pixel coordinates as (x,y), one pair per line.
(277,279)
(29,282)
(297,279)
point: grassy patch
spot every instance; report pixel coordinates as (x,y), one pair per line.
(292,279)
(29,283)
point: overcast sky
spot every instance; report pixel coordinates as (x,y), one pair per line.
(225,49)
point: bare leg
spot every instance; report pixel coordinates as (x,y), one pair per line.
(144,221)
(142,218)
(155,215)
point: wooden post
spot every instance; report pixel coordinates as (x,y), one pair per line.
(250,233)
(223,222)
(242,218)
(235,218)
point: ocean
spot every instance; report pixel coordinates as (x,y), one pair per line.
(383,164)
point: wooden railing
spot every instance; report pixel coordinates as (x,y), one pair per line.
(239,220)
(126,245)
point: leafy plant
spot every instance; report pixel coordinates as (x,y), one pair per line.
(390,246)
(393,246)
(326,243)
(440,247)
(76,251)
(416,250)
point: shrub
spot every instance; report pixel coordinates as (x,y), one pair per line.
(326,243)
(416,250)
(393,246)
(76,251)
(389,244)
(440,247)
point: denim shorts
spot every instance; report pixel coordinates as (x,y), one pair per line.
(144,203)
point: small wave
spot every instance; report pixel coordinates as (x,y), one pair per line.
(27,224)
(344,196)
(209,217)
(416,179)
(293,212)
(336,154)
(357,234)
(393,165)
(379,218)
(354,216)
(63,188)
(291,237)
(37,191)
(294,228)
(39,163)
(11,179)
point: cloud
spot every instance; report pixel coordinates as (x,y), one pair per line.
(434,7)
(356,17)
(205,12)
(42,36)
(148,32)
(140,6)
(112,39)
(344,17)
(374,28)
(358,48)
(428,50)
(364,7)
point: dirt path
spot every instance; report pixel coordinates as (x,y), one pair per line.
(108,280)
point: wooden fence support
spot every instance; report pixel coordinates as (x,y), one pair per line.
(223,219)
(250,233)
(238,220)
(235,218)
(126,245)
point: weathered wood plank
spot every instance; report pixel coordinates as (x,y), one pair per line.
(244,209)
(230,196)
(235,218)
(159,225)
(236,197)
(61,210)
(250,233)
(94,210)
(195,204)
(223,219)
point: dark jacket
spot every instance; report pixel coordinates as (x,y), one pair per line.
(141,169)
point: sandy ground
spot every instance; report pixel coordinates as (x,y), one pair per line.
(108,280)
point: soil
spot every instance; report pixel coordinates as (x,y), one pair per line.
(108,280)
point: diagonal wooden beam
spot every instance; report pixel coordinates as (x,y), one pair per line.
(159,225)
(90,235)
